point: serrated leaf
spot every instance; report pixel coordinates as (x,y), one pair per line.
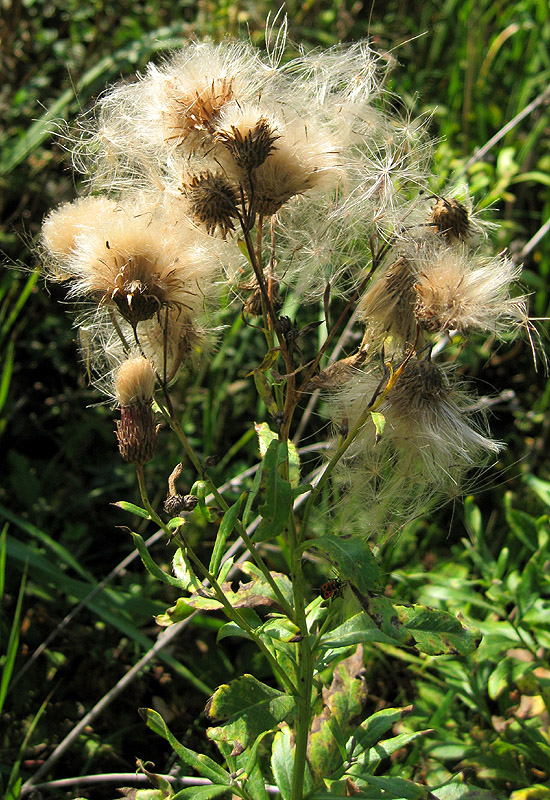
(431,631)
(204,765)
(351,557)
(250,708)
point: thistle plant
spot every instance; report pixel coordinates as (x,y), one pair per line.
(227,176)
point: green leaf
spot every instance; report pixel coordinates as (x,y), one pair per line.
(181,610)
(356,630)
(200,792)
(343,702)
(351,557)
(396,788)
(379,421)
(472,518)
(523,525)
(232,629)
(368,761)
(433,632)
(204,765)
(133,509)
(540,487)
(282,762)
(152,566)
(250,708)
(371,731)
(276,509)
(225,530)
(265,437)
(8,658)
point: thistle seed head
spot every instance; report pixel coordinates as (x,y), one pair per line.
(249,143)
(451,219)
(213,201)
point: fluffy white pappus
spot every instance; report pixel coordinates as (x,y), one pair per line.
(135,381)
(138,265)
(341,74)
(378,498)
(387,306)
(389,171)
(320,240)
(462,290)
(184,97)
(430,435)
(63,225)
(305,159)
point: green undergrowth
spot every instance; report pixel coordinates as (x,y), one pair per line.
(472,68)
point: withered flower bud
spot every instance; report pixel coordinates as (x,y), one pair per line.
(176,503)
(249,145)
(213,201)
(450,218)
(136,431)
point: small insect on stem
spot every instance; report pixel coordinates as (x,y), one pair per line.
(332,588)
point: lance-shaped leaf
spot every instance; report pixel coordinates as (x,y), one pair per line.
(343,703)
(204,765)
(256,592)
(152,566)
(225,530)
(250,708)
(277,505)
(282,762)
(359,629)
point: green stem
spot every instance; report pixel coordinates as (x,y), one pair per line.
(231,612)
(178,430)
(305,668)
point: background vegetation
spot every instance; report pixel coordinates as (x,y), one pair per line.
(475,66)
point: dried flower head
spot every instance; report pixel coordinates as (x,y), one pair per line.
(388,304)
(249,137)
(429,435)
(450,218)
(213,201)
(463,291)
(303,159)
(137,265)
(135,382)
(136,432)
(190,91)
